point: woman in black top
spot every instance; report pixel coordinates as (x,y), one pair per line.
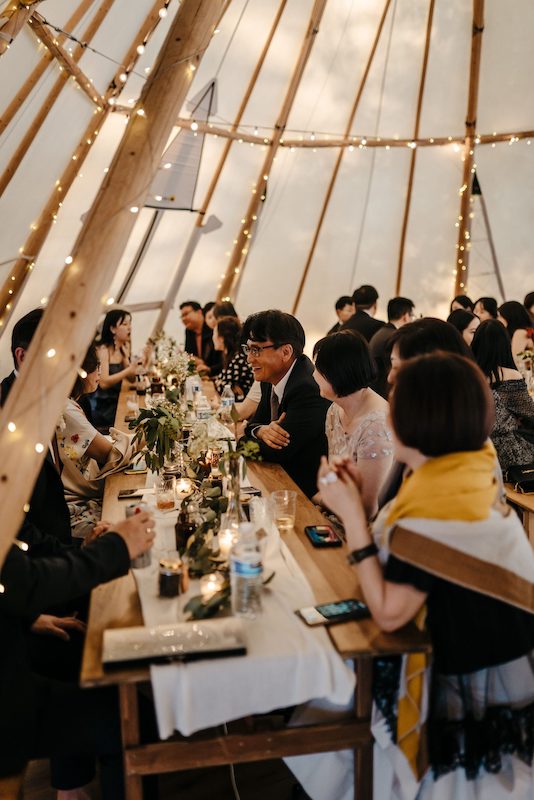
(447,544)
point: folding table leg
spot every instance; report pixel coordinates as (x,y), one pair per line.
(363,755)
(129,712)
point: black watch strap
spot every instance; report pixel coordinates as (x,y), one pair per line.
(356,556)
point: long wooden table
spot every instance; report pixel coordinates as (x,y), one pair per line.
(116,604)
(524,503)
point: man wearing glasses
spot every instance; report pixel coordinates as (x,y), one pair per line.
(289,423)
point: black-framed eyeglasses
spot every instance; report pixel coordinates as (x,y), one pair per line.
(255,349)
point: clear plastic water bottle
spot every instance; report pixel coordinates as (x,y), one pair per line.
(246,574)
(227,401)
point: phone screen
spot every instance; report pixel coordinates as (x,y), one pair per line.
(343,607)
(322,536)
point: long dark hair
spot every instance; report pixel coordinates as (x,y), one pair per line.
(111,320)
(492,349)
(426,336)
(229,329)
(460,319)
(515,315)
(89,364)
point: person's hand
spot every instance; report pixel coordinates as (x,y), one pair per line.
(138,533)
(48,625)
(339,484)
(100,528)
(273,434)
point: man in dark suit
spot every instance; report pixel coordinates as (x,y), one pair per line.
(199,337)
(365,299)
(289,423)
(344,310)
(400,312)
(48,509)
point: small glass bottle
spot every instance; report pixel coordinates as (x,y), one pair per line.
(170,575)
(186,525)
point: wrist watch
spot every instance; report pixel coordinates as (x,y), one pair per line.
(356,556)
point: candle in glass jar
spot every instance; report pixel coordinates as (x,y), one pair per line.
(226,539)
(183,486)
(210,585)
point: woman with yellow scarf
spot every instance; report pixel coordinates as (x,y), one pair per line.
(447,550)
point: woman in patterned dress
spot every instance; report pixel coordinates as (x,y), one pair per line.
(356,422)
(236,370)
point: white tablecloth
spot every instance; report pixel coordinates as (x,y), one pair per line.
(287,663)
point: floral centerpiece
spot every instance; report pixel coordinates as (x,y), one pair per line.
(157,429)
(170,359)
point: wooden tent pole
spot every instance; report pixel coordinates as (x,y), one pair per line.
(68,324)
(464,230)
(348,126)
(413,158)
(185,260)
(38,71)
(242,238)
(11,289)
(15,16)
(38,26)
(28,139)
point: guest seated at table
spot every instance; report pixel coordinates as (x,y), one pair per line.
(400,313)
(207,310)
(289,421)
(466,322)
(114,352)
(461,301)
(42,717)
(48,510)
(425,335)
(528,302)
(517,322)
(356,422)
(344,311)
(486,308)
(446,544)
(236,371)
(199,338)
(87,456)
(513,432)
(365,300)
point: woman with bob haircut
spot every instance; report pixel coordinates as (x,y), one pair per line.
(513,432)
(517,322)
(356,421)
(446,543)
(461,301)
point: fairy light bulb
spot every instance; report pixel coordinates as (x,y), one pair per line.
(39,447)
(11,427)
(194,126)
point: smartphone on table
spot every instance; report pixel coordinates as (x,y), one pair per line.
(322,536)
(131,494)
(330,613)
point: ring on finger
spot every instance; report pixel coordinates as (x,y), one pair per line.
(330,477)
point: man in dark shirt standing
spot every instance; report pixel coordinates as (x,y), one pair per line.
(400,312)
(199,336)
(365,299)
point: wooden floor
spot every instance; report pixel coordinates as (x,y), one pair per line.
(264,780)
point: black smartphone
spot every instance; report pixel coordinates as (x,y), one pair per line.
(130,494)
(322,536)
(330,613)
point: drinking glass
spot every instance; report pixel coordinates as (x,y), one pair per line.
(283,504)
(165,489)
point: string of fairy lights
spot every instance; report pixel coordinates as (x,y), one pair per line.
(261,136)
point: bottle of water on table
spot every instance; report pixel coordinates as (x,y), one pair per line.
(227,401)
(246,573)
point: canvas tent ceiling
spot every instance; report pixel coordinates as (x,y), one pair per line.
(359,241)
